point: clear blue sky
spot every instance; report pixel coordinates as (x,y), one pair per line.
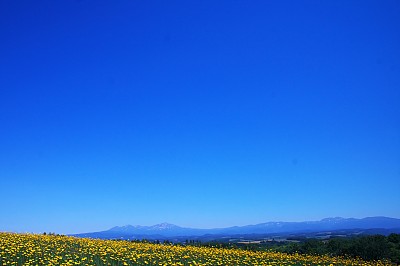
(197,113)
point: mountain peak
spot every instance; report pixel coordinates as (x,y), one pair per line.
(327,224)
(164,226)
(142,229)
(126,227)
(333,219)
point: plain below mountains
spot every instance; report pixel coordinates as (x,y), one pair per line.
(383,225)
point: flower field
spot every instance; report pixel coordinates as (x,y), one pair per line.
(30,249)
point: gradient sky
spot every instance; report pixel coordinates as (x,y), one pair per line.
(198,113)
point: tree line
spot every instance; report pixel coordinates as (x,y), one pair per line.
(374,247)
(371,247)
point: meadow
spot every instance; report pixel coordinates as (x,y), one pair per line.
(34,249)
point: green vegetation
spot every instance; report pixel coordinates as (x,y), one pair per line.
(31,249)
(374,247)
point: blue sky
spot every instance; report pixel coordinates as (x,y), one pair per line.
(198,113)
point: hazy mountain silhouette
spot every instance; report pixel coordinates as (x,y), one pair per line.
(171,230)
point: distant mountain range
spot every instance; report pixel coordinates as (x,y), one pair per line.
(166,230)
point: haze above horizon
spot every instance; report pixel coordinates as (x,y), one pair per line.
(204,114)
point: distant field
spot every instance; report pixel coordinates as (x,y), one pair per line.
(29,249)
